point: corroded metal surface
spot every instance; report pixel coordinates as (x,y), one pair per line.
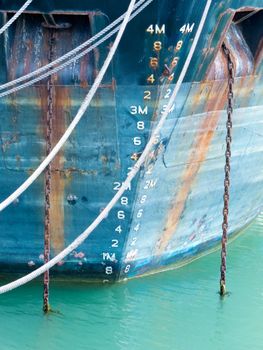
(197,155)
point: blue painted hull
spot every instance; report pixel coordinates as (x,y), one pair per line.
(173,210)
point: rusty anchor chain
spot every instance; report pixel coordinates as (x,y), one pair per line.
(230,67)
(50,88)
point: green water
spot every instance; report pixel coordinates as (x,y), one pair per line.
(178,310)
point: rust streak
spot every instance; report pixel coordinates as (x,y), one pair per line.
(83,72)
(61,103)
(28,57)
(197,156)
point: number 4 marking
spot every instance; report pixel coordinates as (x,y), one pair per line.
(156,29)
(187,28)
(118,229)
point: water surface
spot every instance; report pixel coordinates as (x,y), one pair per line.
(177,310)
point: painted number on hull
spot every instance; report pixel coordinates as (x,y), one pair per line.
(157,45)
(156,29)
(118,229)
(117,186)
(150,184)
(187,28)
(175,61)
(138,110)
(108,270)
(115,243)
(121,215)
(137,227)
(140,125)
(133,242)
(127,268)
(137,141)
(143,199)
(124,201)
(168,93)
(151,79)
(139,214)
(147,95)
(109,256)
(153,62)
(165,109)
(179,45)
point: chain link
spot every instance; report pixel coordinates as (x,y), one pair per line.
(230,68)
(50,88)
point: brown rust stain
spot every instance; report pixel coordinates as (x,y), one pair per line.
(28,56)
(238,49)
(216,102)
(61,103)
(84,63)
(244,88)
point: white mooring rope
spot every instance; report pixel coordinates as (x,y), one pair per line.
(16,15)
(73,52)
(81,238)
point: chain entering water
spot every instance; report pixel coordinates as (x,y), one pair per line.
(50,88)
(230,68)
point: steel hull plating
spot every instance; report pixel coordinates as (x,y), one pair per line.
(173,210)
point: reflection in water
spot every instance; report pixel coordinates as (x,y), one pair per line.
(174,310)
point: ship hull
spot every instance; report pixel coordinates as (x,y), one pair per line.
(172,213)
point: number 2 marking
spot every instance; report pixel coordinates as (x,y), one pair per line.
(168,93)
(147,95)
